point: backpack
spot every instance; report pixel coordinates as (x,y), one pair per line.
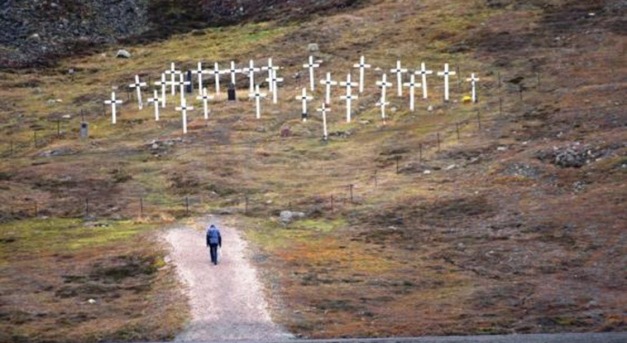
(214,236)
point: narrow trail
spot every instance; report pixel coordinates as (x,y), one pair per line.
(226,300)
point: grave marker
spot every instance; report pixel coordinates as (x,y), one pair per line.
(328,82)
(348,97)
(270,68)
(155,101)
(423,72)
(399,77)
(273,82)
(257,95)
(163,83)
(250,70)
(182,83)
(172,72)
(412,90)
(233,71)
(384,84)
(183,109)
(382,105)
(205,97)
(190,87)
(311,65)
(324,110)
(304,98)
(113,102)
(446,73)
(138,85)
(362,66)
(473,82)
(216,73)
(199,72)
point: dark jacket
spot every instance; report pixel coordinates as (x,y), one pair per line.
(213,236)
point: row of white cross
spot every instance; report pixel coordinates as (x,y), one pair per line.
(272,79)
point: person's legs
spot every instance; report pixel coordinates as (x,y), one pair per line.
(214,253)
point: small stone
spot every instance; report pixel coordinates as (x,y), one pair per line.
(452,166)
(313,47)
(427,172)
(91,301)
(155,146)
(430,108)
(123,54)
(501,148)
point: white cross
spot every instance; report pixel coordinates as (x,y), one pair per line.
(251,74)
(182,83)
(233,71)
(362,66)
(163,83)
(199,72)
(423,72)
(382,105)
(138,85)
(328,83)
(446,73)
(399,77)
(270,68)
(172,72)
(155,101)
(348,97)
(304,98)
(183,109)
(258,96)
(205,97)
(273,83)
(384,84)
(311,65)
(216,73)
(113,102)
(324,110)
(412,90)
(473,81)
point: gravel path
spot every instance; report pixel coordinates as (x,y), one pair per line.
(226,300)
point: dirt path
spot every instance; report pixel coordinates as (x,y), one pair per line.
(226,300)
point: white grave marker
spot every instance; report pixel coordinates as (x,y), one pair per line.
(348,97)
(399,77)
(258,96)
(473,81)
(446,73)
(199,72)
(362,66)
(382,104)
(205,97)
(273,80)
(412,90)
(423,72)
(270,68)
(324,110)
(384,84)
(155,101)
(233,71)
(172,72)
(251,70)
(138,86)
(304,98)
(311,65)
(163,83)
(113,102)
(328,82)
(216,73)
(182,83)
(183,109)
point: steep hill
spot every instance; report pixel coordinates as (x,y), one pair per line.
(502,216)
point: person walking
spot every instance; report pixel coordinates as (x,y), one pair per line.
(214,240)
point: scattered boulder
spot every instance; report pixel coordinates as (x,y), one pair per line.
(123,54)
(287,217)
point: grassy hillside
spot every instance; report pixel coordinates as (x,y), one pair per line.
(497,217)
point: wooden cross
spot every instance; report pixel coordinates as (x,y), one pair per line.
(473,81)
(273,80)
(328,82)
(412,87)
(163,83)
(155,101)
(172,72)
(258,96)
(384,84)
(348,97)
(324,110)
(138,85)
(311,65)
(423,72)
(233,71)
(216,73)
(362,66)
(399,77)
(113,102)
(205,97)
(270,68)
(251,75)
(199,72)
(304,98)
(183,109)
(446,73)
(182,83)
(382,105)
